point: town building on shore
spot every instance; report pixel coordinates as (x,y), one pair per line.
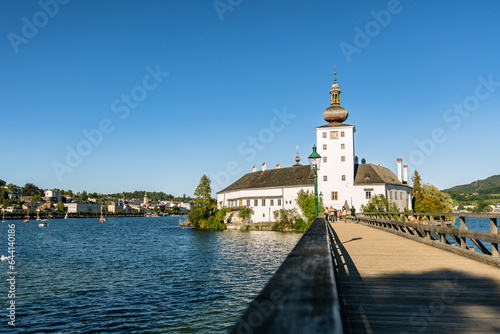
(342,180)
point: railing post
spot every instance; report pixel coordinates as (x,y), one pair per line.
(494,230)
(463,243)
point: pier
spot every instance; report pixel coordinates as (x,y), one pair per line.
(391,274)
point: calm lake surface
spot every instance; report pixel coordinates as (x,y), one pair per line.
(145,275)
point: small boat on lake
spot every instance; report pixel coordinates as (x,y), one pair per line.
(27,220)
(102,219)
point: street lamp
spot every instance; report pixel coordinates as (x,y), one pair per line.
(315,161)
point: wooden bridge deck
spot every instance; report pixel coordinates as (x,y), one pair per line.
(390,284)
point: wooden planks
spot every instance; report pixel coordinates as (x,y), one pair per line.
(390,284)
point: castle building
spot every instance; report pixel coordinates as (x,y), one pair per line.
(342,180)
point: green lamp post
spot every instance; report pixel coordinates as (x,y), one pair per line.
(314,161)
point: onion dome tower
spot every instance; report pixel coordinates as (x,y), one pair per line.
(335,113)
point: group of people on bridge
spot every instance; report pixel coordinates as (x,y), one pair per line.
(332,214)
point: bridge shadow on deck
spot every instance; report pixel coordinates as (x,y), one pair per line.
(444,301)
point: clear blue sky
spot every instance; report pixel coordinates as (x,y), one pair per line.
(220,77)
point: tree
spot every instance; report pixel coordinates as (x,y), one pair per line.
(379,203)
(30,189)
(417,191)
(433,200)
(175,210)
(195,216)
(203,192)
(305,200)
(2,183)
(245,213)
(84,196)
(60,207)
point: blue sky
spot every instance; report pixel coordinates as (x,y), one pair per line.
(111,96)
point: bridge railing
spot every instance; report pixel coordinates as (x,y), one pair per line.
(301,297)
(438,229)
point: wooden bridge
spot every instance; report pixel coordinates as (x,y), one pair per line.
(384,274)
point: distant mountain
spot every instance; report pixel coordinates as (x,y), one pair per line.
(490,185)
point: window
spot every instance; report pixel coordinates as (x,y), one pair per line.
(324,147)
(324,159)
(368,195)
(342,146)
(342,158)
(271,202)
(324,134)
(279,201)
(342,134)
(401,195)
(263,202)
(248,202)
(335,195)
(255,202)
(343,177)
(325,178)
(334,135)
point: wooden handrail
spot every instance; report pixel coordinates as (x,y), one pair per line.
(301,297)
(437,233)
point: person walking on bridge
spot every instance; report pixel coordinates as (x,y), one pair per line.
(327,213)
(353,214)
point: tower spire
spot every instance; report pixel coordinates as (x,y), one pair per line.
(335,113)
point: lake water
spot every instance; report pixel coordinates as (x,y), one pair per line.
(144,275)
(475,224)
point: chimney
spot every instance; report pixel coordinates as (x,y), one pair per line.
(405,174)
(278,166)
(264,166)
(400,170)
(254,169)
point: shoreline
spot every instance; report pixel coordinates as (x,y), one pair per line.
(97,215)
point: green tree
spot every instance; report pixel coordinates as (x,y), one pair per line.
(417,191)
(378,203)
(30,189)
(60,207)
(195,216)
(2,183)
(433,200)
(84,196)
(203,192)
(246,213)
(305,200)
(175,210)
